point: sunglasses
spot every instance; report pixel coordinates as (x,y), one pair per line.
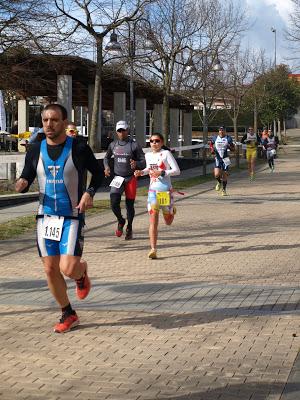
(72,130)
(154,140)
(121,130)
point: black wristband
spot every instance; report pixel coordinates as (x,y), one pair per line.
(163,173)
(90,191)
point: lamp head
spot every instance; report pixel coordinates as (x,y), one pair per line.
(113,45)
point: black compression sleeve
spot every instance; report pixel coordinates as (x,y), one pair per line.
(29,170)
(140,157)
(94,167)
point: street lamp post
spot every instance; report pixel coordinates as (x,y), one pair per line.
(216,67)
(113,44)
(275,46)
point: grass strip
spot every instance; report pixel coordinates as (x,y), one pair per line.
(16,227)
(21,225)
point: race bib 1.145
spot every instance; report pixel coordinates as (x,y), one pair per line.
(52,227)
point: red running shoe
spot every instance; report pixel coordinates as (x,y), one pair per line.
(119,230)
(83,286)
(66,323)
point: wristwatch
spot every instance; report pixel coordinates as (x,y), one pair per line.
(163,173)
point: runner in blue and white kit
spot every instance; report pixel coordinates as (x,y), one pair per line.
(270,146)
(60,163)
(220,145)
(160,165)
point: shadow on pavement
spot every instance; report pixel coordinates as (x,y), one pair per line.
(257,391)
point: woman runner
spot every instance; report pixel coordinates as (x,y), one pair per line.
(160,165)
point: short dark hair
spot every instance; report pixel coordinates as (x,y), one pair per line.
(159,135)
(62,109)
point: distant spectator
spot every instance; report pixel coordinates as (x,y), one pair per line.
(106,140)
(14,129)
(265,134)
(71,129)
(25,143)
(38,136)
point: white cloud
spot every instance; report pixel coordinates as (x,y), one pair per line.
(264,14)
(284,7)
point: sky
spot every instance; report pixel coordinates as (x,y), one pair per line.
(265,14)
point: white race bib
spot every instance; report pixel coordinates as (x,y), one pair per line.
(226,161)
(117,182)
(52,227)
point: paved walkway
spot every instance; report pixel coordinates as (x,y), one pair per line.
(215,317)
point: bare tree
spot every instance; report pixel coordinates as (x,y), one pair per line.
(33,25)
(97,19)
(185,33)
(207,58)
(253,101)
(236,83)
(173,25)
(292,34)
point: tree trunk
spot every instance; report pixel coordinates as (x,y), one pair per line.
(279,130)
(236,137)
(94,140)
(205,137)
(275,127)
(255,116)
(166,117)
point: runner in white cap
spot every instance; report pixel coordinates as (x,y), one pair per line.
(128,155)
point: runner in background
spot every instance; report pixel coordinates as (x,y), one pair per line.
(220,145)
(264,136)
(160,165)
(251,140)
(270,146)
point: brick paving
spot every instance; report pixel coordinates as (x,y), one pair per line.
(215,317)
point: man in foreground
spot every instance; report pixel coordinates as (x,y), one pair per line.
(60,162)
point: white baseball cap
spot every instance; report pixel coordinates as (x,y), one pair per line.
(121,125)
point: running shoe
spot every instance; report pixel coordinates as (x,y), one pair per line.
(152,254)
(224,193)
(66,323)
(83,286)
(218,186)
(128,235)
(119,230)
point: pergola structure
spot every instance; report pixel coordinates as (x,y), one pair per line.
(69,80)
